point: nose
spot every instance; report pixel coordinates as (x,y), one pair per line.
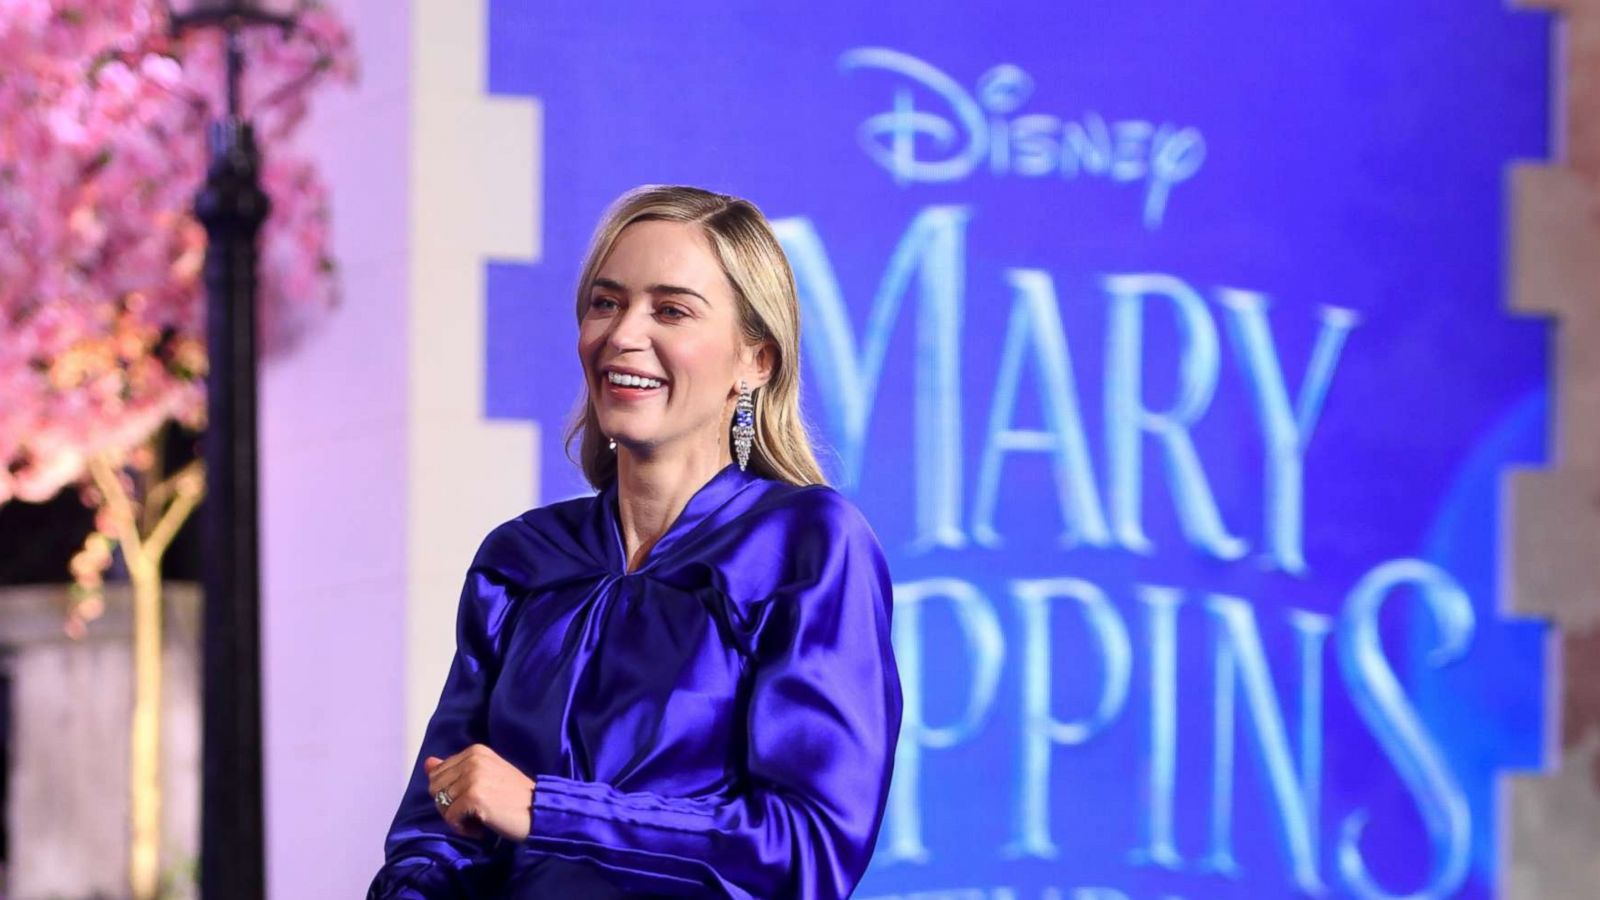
(630,330)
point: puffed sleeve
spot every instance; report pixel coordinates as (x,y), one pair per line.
(823,718)
(424,859)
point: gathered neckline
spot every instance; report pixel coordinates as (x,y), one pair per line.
(707,499)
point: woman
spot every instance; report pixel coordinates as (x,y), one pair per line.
(684,685)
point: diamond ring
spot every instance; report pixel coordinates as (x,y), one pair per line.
(442,798)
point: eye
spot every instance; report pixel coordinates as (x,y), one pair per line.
(672,311)
(602,304)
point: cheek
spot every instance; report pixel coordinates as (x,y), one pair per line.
(705,363)
(588,340)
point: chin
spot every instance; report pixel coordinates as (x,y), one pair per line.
(633,437)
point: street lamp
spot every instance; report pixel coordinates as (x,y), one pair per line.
(232,206)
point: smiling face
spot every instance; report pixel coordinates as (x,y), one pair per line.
(661,343)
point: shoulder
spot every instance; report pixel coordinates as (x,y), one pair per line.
(824,568)
(519,550)
(817,531)
(813,511)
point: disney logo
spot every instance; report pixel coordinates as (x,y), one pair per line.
(982,127)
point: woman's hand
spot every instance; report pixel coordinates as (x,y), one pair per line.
(484,790)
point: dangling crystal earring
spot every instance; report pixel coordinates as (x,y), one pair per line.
(611,444)
(744,425)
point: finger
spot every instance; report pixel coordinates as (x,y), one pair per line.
(470,827)
(466,823)
(446,772)
(471,754)
(456,759)
(463,815)
(451,786)
(475,768)
(461,794)
(451,812)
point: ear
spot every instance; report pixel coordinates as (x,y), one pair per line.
(757,363)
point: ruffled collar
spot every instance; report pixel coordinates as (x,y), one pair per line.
(711,496)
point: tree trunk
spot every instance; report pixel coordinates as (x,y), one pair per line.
(144,857)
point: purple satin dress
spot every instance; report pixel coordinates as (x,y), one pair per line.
(719,722)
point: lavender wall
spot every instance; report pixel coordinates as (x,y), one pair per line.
(333,430)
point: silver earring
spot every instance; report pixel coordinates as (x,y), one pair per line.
(611,444)
(744,425)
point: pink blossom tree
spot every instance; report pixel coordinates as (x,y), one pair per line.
(101,303)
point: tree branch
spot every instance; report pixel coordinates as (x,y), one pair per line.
(105,478)
(190,486)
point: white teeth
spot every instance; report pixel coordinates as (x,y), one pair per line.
(627,380)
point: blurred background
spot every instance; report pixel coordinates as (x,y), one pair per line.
(1222,382)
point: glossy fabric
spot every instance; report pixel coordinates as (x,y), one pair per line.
(719,722)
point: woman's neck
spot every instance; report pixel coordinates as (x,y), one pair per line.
(652,490)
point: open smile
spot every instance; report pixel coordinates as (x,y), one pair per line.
(626,384)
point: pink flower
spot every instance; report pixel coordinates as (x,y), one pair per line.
(101,302)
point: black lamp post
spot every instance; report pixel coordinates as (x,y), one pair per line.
(232,206)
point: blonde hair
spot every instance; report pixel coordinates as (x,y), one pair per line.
(769,311)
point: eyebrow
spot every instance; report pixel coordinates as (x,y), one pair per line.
(671,289)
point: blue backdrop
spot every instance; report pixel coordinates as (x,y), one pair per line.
(1165,347)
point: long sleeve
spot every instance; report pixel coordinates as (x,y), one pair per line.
(424,859)
(823,717)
